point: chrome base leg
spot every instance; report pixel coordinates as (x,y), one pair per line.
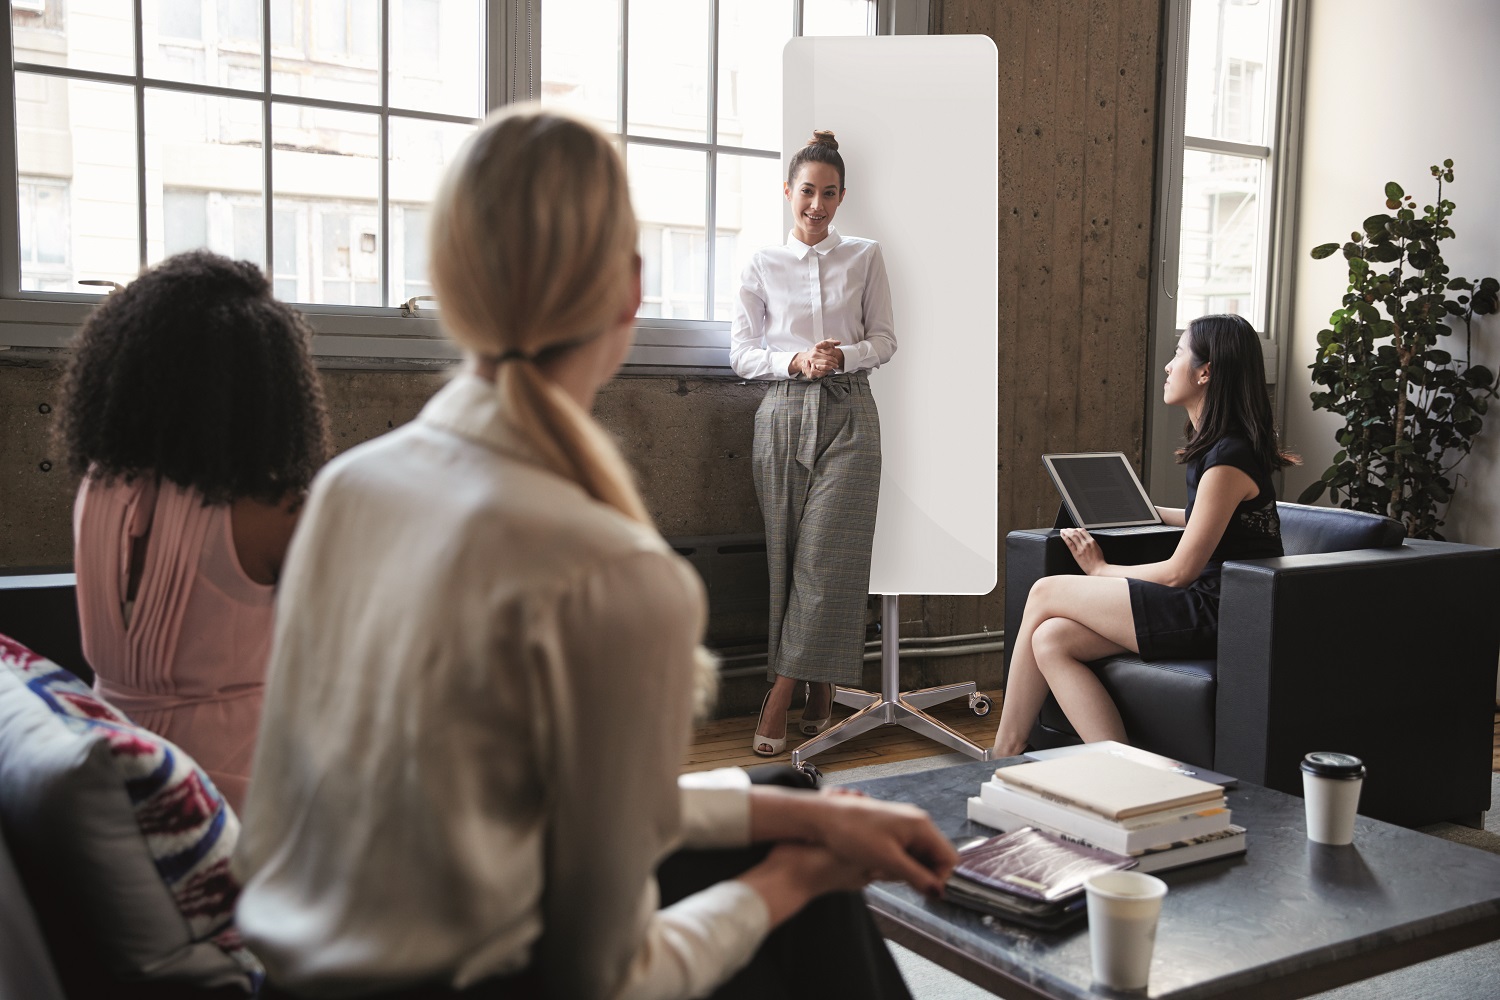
(892,706)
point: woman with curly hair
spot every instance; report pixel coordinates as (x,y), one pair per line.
(192,412)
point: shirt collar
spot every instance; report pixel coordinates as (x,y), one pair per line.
(799,248)
(469,406)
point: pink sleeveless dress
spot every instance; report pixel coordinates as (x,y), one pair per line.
(191,662)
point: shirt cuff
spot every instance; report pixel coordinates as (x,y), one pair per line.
(779,362)
(715,808)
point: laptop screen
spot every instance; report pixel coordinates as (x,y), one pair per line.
(1101,490)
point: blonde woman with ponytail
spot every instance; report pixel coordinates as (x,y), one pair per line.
(486,666)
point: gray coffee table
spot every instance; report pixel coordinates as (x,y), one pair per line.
(1288,919)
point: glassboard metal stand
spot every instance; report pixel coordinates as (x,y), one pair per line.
(892,706)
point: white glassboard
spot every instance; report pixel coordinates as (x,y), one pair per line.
(916,118)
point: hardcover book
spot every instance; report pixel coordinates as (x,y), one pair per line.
(1137,754)
(1110,786)
(1175,824)
(1226,842)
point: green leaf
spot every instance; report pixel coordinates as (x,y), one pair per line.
(1393,190)
(1324,250)
(1481,376)
(1313,493)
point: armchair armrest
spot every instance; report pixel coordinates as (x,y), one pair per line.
(1037,552)
(1388,654)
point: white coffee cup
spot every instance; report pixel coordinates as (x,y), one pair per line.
(1123,911)
(1330,788)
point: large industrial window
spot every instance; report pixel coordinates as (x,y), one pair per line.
(309,135)
(1228,128)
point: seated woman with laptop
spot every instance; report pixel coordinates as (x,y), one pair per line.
(1165,609)
(487,661)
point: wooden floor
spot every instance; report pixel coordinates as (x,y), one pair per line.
(726,742)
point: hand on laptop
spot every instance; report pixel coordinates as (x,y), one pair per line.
(1085,550)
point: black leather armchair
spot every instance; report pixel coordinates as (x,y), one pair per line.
(1358,640)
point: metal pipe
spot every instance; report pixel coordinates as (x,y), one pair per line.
(754,664)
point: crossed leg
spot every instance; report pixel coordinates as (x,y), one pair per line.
(1068,621)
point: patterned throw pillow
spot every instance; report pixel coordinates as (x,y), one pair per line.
(122,822)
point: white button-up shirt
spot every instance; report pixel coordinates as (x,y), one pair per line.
(795,295)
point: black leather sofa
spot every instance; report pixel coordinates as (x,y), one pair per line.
(1358,640)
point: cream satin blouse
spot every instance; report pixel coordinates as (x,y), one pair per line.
(479,695)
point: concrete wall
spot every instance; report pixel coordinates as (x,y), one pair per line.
(1077,125)
(1369,121)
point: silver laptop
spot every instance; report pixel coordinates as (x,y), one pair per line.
(1101,490)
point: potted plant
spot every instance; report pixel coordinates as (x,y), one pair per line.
(1411,408)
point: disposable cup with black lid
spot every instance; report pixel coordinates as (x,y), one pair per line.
(1330,789)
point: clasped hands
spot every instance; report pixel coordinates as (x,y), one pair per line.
(843,840)
(826,358)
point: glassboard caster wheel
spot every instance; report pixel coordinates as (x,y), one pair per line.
(811,773)
(980,704)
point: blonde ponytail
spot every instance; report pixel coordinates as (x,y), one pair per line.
(533,245)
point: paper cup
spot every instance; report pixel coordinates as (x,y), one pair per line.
(1331,783)
(1123,910)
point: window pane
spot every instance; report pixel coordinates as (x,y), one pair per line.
(420,153)
(668,69)
(77,148)
(94,36)
(44,234)
(580,60)
(838,17)
(326,187)
(1229,43)
(437,56)
(203,41)
(751,213)
(667,189)
(752,34)
(1220,262)
(177,19)
(184,221)
(193,147)
(333,42)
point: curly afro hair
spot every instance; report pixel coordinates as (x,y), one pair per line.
(197,374)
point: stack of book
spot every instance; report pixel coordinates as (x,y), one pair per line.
(1028,876)
(1160,819)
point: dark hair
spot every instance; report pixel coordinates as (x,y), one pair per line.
(195,373)
(1236,401)
(821,148)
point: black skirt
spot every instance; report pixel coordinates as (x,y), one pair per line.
(1177,623)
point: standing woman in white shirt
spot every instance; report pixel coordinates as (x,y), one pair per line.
(814,317)
(485,667)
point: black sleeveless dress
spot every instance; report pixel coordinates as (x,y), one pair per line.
(1182,623)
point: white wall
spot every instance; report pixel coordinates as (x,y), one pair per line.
(1367,122)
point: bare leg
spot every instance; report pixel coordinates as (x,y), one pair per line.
(1101,605)
(819,700)
(1062,648)
(773,711)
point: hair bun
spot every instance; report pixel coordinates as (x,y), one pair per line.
(823,137)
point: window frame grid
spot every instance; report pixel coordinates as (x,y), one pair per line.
(385,336)
(41,319)
(1275,237)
